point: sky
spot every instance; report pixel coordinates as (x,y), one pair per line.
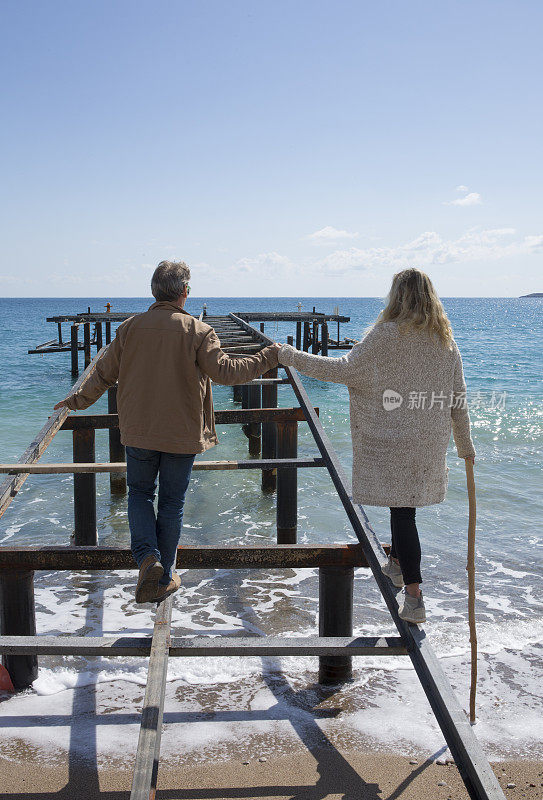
(299,148)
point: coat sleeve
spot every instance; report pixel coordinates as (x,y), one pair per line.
(105,374)
(459,412)
(349,369)
(230,370)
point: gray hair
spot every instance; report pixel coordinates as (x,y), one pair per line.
(169,280)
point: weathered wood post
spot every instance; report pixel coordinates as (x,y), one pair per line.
(18,618)
(324,338)
(74,348)
(117,480)
(290,340)
(108,331)
(315,347)
(254,399)
(99,339)
(287,484)
(59,326)
(269,432)
(261,327)
(84,489)
(335,619)
(87,343)
(237,394)
(299,334)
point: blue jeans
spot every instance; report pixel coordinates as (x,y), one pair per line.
(156,535)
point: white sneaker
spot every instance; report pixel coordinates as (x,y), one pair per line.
(413,609)
(393,571)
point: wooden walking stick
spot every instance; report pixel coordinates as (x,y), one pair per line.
(471,585)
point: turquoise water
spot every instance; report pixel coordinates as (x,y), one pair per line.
(501,343)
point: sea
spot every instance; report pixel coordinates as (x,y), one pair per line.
(224,707)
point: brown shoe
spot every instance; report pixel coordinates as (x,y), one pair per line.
(164,590)
(151,571)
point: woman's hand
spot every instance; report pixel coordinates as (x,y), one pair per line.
(61,404)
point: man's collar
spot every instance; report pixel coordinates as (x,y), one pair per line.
(169,303)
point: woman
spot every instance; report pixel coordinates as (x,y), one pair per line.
(406,389)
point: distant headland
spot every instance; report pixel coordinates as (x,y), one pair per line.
(533,294)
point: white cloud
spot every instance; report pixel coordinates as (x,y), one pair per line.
(430,249)
(264,264)
(471,199)
(330,234)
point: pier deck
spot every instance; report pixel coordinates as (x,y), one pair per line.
(311,331)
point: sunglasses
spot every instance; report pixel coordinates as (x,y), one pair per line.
(187,287)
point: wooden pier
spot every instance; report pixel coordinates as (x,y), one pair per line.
(272,439)
(311,332)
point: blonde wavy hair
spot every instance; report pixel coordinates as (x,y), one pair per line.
(414,304)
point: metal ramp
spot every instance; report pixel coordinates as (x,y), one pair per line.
(237,336)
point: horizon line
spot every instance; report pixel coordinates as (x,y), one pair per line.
(259,297)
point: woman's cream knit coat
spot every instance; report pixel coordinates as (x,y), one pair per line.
(399,447)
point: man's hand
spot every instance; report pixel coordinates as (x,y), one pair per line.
(62,404)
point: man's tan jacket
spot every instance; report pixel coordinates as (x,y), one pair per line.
(163,360)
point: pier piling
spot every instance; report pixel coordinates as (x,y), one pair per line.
(87,343)
(74,348)
(324,338)
(117,480)
(269,432)
(287,484)
(307,336)
(335,619)
(18,618)
(254,398)
(315,340)
(85,532)
(98,336)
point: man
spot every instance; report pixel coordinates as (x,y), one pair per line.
(164,360)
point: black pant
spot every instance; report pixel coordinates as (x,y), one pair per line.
(405,543)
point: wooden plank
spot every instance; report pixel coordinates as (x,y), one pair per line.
(120,466)
(194,647)
(10,487)
(148,753)
(272,556)
(478,777)
(287,316)
(99,316)
(233,416)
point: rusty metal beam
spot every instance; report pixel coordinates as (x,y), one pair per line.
(215,557)
(113,467)
(239,416)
